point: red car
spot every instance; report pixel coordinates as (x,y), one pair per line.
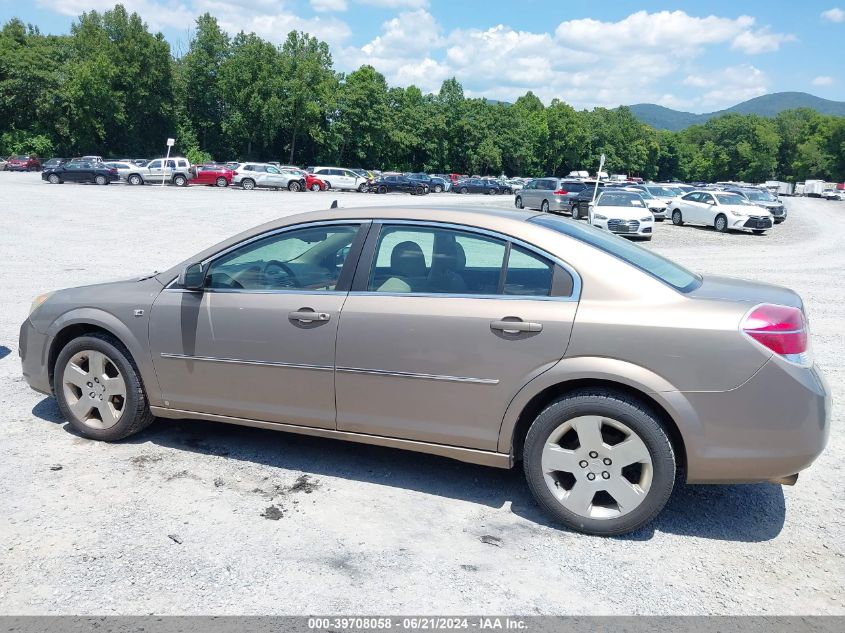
(211,175)
(312,183)
(23,162)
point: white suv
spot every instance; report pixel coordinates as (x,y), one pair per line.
(722,210)
(340,178)
(252,175)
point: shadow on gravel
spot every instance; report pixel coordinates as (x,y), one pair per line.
(746,513)
(4,351)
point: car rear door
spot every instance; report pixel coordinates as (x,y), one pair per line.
(444,325)
(259,342)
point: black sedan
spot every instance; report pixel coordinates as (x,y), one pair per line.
(476,185)
(53,163)
(580,204)
(405,184)
(80,171)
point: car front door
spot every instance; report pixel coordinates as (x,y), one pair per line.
(259,341)
(443,326)
(689,205)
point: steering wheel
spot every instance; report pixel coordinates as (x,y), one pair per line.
(276,274)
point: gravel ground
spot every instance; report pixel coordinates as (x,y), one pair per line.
(201,518)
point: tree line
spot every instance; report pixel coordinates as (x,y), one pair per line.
(111,87)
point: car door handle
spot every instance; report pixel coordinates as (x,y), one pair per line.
(307,315)
(514,326)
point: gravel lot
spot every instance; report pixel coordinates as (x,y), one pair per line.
(177,520)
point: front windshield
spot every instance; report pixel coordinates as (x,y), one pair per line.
(731,198)
(620,200)
(663,191)
(759,196)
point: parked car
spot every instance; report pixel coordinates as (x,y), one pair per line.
(264,175)
(23,162)
(603,369)
(3,164)
(432,184)
(549,194)
(833,194)
(401,183)
(657,206)
(123,168)
(722,210)
(501,186)
(79,170)
(175,170)
(211,175)
(340,178)
(311,182)
(54,162)
(622,212)
(763,198)
(475,185)
(580,204)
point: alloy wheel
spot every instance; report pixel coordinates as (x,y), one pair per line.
(94,389)
(54,179)
(597,467)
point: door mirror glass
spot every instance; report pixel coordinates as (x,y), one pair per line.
(192,277)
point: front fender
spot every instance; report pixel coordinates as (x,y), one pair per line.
(607,370)
(135,339)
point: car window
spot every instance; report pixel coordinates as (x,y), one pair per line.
(528,274)
(309,258)
(434,260)
(646,260)
(732,198)
(155,164)
(272,170)
(692,197)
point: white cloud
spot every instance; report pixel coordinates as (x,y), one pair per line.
(328,6)
(728,86)
(396,4)
(823,80)
(159,14)
(760,41)
(834,15)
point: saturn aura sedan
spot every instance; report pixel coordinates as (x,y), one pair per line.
(723,210)
(487,336)
(622,212)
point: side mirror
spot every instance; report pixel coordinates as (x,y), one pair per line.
(192,277)
(591,204)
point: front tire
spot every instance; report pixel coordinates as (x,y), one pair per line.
(438,188)
(315,187)
(518,203)
(721,223)
(599,462)
(363,187)
(294,185)
(576,213)
(464,190)
(99,389)
(677,218)
(53,179)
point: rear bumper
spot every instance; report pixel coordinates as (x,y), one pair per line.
(773,426)
(33,350)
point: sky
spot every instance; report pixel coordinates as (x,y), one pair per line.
(695,56)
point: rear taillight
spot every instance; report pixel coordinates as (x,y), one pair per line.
(234,173)
(561,192)
(782,329)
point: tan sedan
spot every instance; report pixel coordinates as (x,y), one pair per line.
(492,337)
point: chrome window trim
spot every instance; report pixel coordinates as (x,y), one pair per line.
(576,278)
(239,361)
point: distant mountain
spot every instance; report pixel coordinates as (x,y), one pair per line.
(767,105)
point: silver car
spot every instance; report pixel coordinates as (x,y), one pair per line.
(490,336)
(254,175)
(549,194)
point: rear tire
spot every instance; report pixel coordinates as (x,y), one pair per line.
(133,411)
(677,218)
(438,188)
(518,203)
(637,486)
(135,179)
(100,180)
(315,187)
(576,213)
(544,207)
(221,182)
(179,180)
(381,189)
(464,190)
(248,184)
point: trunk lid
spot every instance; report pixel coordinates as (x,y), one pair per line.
(751,292)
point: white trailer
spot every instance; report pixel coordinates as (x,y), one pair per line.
(780,188)
(813,188)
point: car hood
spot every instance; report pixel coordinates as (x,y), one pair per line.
(744,209)
(751,292)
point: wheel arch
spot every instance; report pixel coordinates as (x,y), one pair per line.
(673,410)
(91,321)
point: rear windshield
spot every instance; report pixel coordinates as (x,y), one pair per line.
(663,269)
